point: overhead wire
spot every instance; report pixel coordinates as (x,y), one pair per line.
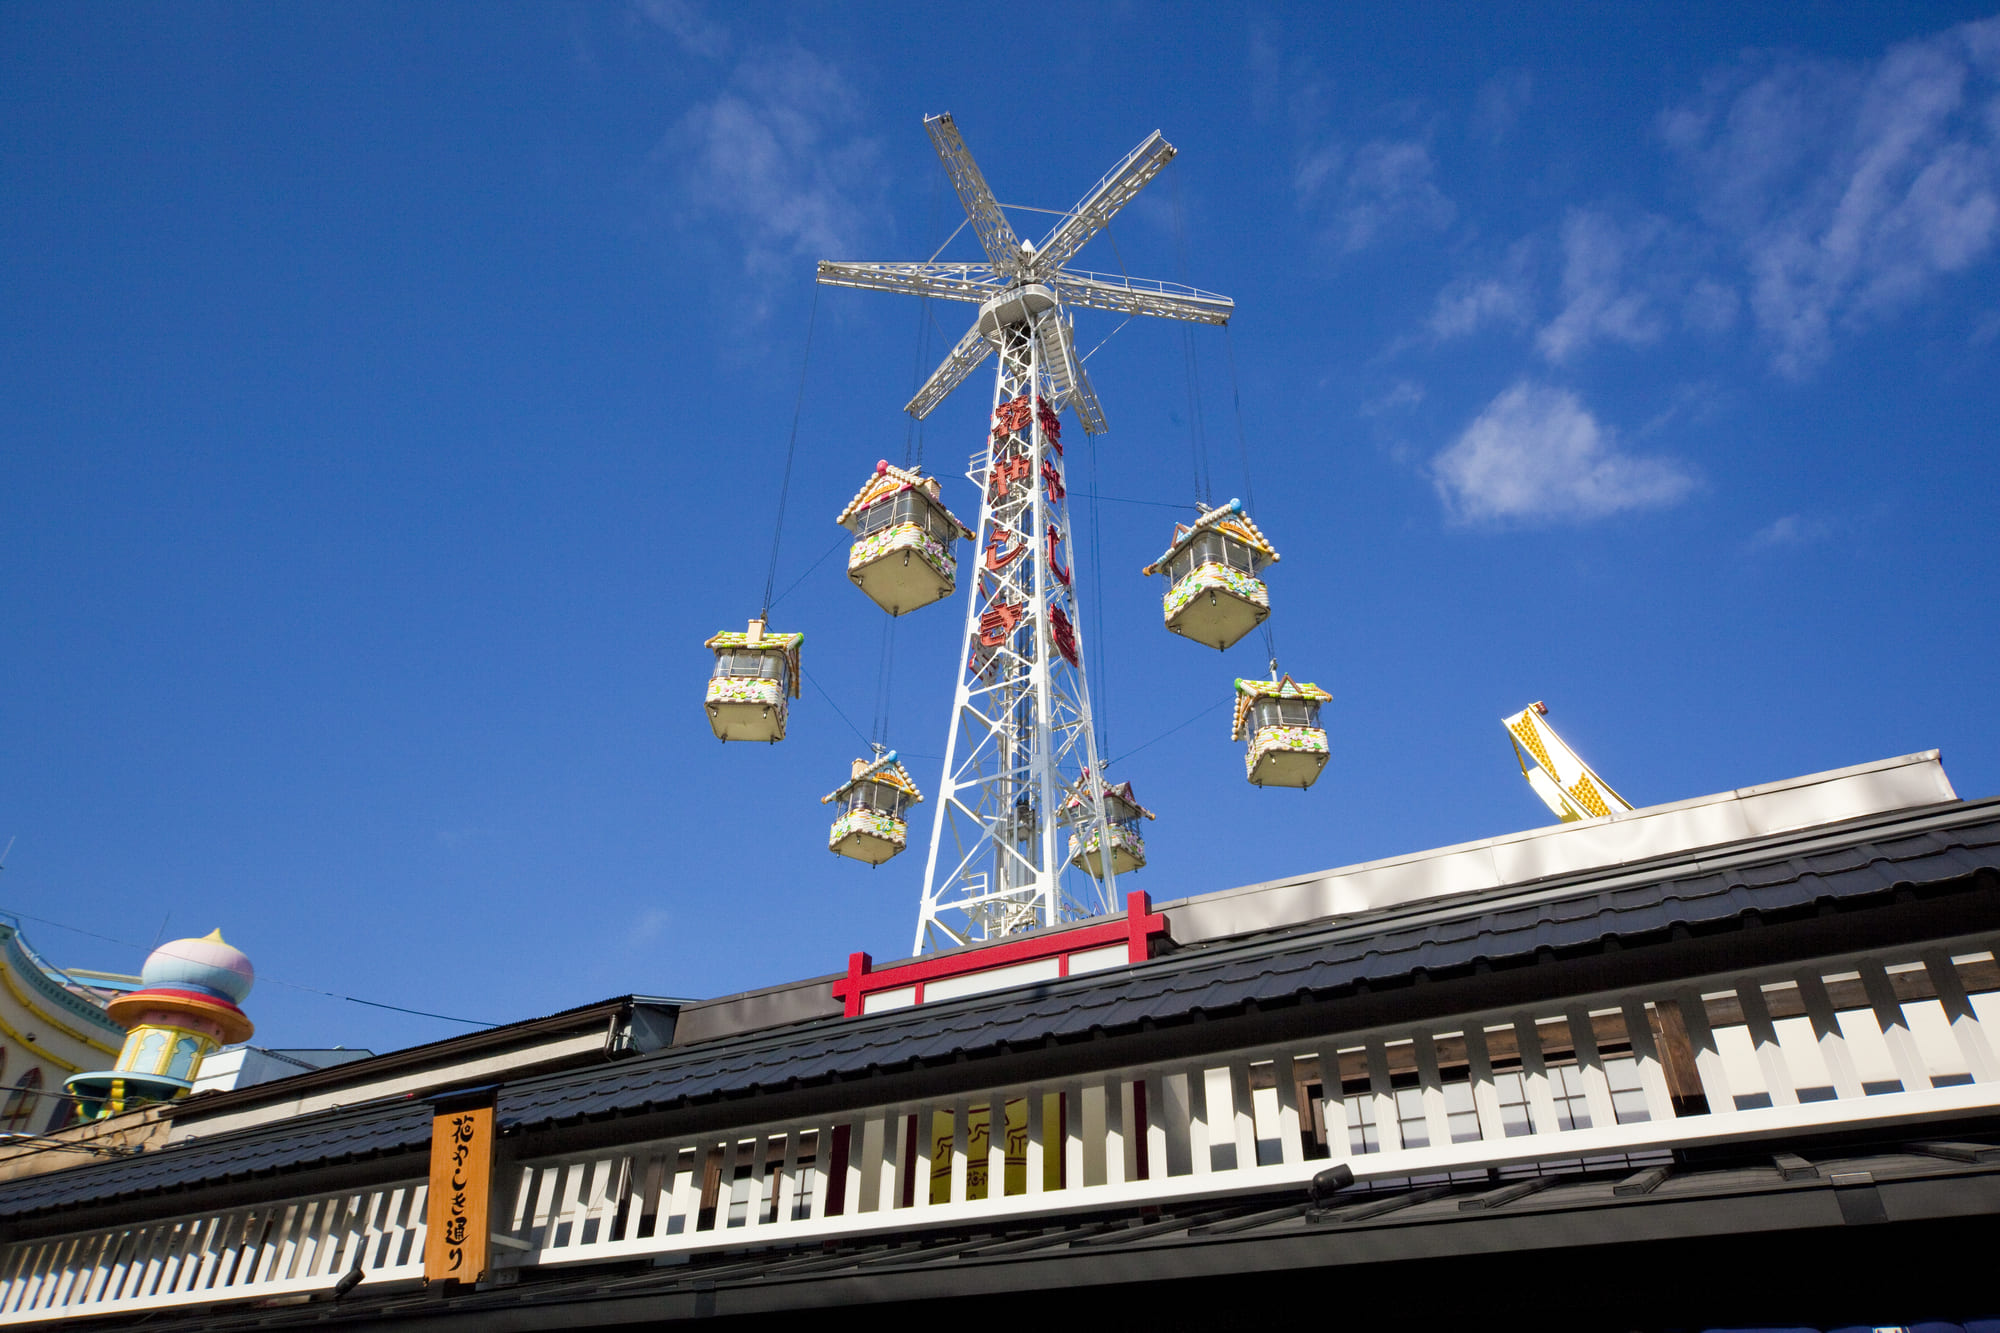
(791,452)
(834,706)
(838,542)
(1171,730)
(275,981)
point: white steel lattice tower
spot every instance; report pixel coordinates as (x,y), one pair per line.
(1021,741)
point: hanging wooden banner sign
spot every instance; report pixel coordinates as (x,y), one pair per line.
(457,1240)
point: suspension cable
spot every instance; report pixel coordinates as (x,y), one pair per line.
(1197,434)
(913,433)
(1102,708)
(791,451)
(1249,490)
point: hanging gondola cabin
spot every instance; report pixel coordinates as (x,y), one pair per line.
(1122,813)
(870,826)
(903,539)
(755,670)
(1213,593)
(1281,719)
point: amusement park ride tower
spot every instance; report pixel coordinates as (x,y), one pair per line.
(1021,746)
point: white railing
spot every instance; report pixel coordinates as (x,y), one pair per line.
(1877,1039)
(1842,1041)
(293,1248)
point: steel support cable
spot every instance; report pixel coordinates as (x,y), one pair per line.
(1197,434)
(791,451)
(1243,457)
(913,433)
(885,673)
(1103,710)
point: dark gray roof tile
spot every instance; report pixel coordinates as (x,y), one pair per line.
(1219,975)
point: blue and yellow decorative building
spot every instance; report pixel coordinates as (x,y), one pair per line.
(187,1007)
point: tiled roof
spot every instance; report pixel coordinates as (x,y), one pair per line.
(888,480)
(1507,924)
(885,770)
(1766,876)
(1229,519)
(289,1145)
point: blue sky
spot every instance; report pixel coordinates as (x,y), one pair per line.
(393,398)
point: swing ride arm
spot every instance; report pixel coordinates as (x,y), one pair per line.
(962,361)
(976,283)
(996,234)
(1098,207)
(1138,296)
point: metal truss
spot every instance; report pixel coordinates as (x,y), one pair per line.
(1021,743)
(1021,739)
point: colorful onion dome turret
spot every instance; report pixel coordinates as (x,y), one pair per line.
(902,555)
(1281,719)
(755,671)
(1122,813)
(188,1006)
(870,826)
(1213,593)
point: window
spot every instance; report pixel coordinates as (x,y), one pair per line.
(904,507)
(1212,548)
(1628,1095)
(1566,1086)
(1410,1122)
(876,796)
(1359,1100)
(152,1053)
(21,1103)
(1461,1115)
(750,664)
(1514,1121)
(1284,713)
(184,1055)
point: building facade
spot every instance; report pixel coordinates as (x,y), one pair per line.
(1720,1062)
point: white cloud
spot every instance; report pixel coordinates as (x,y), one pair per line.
(1497,108)
(696,33)
(1367,190)
(1601,299)
(1401,394)
(1469,304)
(1790,530)
(1849,190)
(776,158)
(1537,454)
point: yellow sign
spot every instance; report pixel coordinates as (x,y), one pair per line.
(978,1131)
(456,1239)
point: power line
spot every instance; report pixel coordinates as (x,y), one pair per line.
(1169,731)
(834,706)
(275,981)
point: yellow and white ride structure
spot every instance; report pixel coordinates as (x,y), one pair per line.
(1570,788)
(903,555)
(1119,831)
(756,671)
(870,826)
(1213,593)
(1280,718)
